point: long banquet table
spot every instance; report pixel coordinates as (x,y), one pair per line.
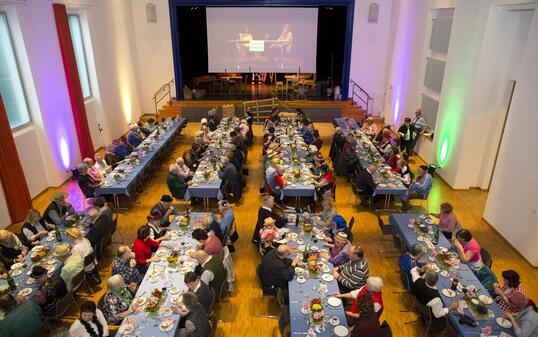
(165,277)
(133,173)
(387,188)
(466,276)
(299,322)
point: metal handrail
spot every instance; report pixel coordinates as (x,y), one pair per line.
(162,93)
(274,102)
(361,94)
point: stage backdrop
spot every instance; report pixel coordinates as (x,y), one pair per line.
(261,39)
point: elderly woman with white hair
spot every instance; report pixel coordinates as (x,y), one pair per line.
(227,217)
(93,171)
(118,300)
(101,165)
(210,225)
(176,184)
(11,248)
(86,183)
(184,171)
(372,288)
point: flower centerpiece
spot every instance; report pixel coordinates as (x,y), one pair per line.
(446,260)
(313,269)
(293,147)
(316,312)
(213,161)
(154,303)
(307,229)
(207,174)
(183,223)
(173,258)
(384,174)
(117,177)
(476,306)
(297,173)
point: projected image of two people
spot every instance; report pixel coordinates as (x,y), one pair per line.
(274,51)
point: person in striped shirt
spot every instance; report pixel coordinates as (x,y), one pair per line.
(354,273)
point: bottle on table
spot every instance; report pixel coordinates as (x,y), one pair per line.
(455,282)
(58,235)
(11,283)
(436,237)
(305,254)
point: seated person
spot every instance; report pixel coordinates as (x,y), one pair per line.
(354,273)
(393,156)
(226,220)
(183,170)
(176,184)
(123,149)
(101,165)
(90,323)
(276,269)
(11,248)
(210,244)
(326,182)
(143,248)
(367,322)
(448,223)
(189,160)
(327,213)
(150,125)
(111,158)
(134,138)
(194,315)
(468,251)
(419,189)
(339,250)
(50,290)
(365,184)
(425,290)
(230,179)
(125,265)
(267,235)
(163,209)
(205,294)
(101,225)
(73,264)
(371,289)
(525,323)
(369,127)
(211,270)
(266,211)
(86,183)
(34,228)
(410,260)
(58,209)
(118,300)
(403,169)
(511,296)
(21,318)
(156,231)
(80,245)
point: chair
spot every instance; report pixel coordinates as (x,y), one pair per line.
(351,223)
(213,321)
(433,325)
(43,330)
(486,257)
(385,329)
(77,281)
(280,298)
(213,302)
(264,294)
(100,304)
(61,307)
(284,322)
(89,261)
(386,228)
(422,200)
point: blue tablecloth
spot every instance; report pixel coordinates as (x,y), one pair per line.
(22,280)
(349,124)
(168,278)
(298,293)
(467,277)
(124,187)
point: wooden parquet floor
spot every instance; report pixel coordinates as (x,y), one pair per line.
(239,314)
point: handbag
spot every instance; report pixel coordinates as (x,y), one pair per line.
(234,236)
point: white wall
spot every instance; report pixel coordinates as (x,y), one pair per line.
(512,204)
(155,64)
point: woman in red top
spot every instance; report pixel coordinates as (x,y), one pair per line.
(326,182)
(279,179)
(143,248)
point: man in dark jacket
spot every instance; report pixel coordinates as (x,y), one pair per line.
(365,182)
(86,183)
(205,294)
(176,185)
(407,137)
(266,211)
(276,269)
(230,179)
(194,315)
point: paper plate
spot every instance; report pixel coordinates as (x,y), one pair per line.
(449,293)
(341,331)
(334,301)
(505,323)
(327,277)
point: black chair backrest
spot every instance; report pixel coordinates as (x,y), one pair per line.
(213,320)
(423,310)
(385,329)
(62,306)
(76,282)
(43,331)
(406,281)
(486,257)
(212,302)
(351,223)
(101,302)
(284,321)
(89,260)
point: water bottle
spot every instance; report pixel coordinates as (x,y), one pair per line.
(58,236)
(436,237)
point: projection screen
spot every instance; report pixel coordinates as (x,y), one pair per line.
(261,39)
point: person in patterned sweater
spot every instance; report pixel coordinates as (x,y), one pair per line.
(354,273)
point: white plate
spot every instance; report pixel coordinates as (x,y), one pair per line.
(174,290)
(37,248)
(429,221)
(444,273)
(420,238)
(320,236)
(127,328)
(175,299)
(167,325)
(16,273)
(140,301)
(49,239)
(334,301)
(449,293)
(327,277)
(300,242)
(485,299)
(25,292)
(292,236)
(167,312)
(161,253)
(505,323)
(299,270)
(471,287)
(314,248)
(17,265)
(301,279)
(382,185)
(341,331)
(334,320)
(463,304)
(300,248)
(305,311)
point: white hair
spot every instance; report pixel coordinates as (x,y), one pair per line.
(374,284)
(115,282)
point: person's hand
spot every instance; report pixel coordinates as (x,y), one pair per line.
(295,260)
(132,263)
(509,315)
(350,314)
(335,273)
(498,290)
(35,243)
(293,250)
(338,295)
(326,244)
(20,298)
(52,226)
(133,286)
(42,233)
(153,259)
(453,305)
(3,276)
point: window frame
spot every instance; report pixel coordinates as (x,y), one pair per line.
(86,64)
(23,86)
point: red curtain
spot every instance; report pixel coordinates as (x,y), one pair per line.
(11,174)
(73,82)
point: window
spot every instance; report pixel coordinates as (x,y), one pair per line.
(80,56)
(11,87)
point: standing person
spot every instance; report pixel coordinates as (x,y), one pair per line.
(266,211)
(407,136)
(448,222)
(418,125)
(91,322)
